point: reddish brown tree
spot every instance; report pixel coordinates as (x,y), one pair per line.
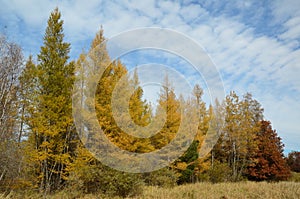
(269,163)
(293,160)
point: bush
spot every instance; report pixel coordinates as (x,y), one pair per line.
(104,180)
(186,176)
(203,177)
(295,177)
(163,178)
(219,173)
(116,183)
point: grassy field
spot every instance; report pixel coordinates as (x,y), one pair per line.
(227,190)
(203,190)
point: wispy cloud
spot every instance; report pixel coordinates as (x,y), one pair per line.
(254,44)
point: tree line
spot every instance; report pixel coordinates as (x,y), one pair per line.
(41,150)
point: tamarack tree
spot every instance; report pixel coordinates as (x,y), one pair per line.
(49,114)
(36,122)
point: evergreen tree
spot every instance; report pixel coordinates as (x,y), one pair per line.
(91,174)
(187,174)
(140,111)
(190,166)
(50,142)
(204,117)
(169,106)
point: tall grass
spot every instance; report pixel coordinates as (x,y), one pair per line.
(227,190)
(255,190)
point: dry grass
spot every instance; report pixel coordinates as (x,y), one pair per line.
(204,190)
(227,190)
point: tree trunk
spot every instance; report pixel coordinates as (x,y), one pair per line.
(234,161)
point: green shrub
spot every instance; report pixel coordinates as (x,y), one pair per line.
(115,183)
(295,177)
(220,172)
(186,176)
(163,178)
(104,180)
(203,177)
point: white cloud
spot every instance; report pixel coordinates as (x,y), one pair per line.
(284,118)
(32,12)
(248,56)
(283,10)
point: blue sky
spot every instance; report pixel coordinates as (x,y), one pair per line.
(254,44)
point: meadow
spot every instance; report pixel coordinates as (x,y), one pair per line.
(205,190)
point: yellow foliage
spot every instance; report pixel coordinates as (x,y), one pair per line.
(181,166)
